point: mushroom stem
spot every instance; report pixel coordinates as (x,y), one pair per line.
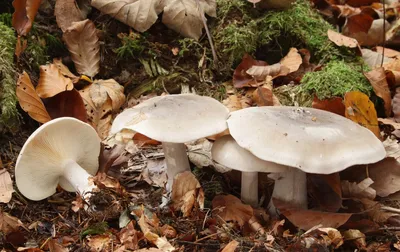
(176,159)
(78,178)
(249,191)
(291,187)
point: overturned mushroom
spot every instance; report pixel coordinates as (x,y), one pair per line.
(63,151)
(174,120)
(304,139)
(227,152)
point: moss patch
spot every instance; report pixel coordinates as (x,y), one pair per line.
(8,98)
(335,79)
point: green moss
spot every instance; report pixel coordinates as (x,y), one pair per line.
(335,79)
(292,95)
(132,45)
(6,19)
(8,98)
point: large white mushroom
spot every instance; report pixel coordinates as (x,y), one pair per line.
(63,151)
(174,120)
(227,152)
(306,140)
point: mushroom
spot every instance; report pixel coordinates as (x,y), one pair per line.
(63,151)
(307,140)
(227,152)
(174,120)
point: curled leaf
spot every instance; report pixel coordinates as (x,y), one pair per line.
(24,14)
(52,82)
(230,208)
(377,78)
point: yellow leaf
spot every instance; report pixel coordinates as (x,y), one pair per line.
(361,110)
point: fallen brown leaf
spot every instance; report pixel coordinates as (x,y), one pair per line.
(101,242)
(386,176)
(388,52)
(361,110)
(8,223)
(240,77)
(334,105)
(263,96)
(67,103)
(230,208)
(100,90)
(377,78)
(374,211)
(358,190)
(373,59)
(6,186)
(237,102)
(29,100)
(186,189)
(306,219)
(184,16)
(24,14)
(67,12)
(128,236)
(341,40)
(292,60)
(52,82)
(259,73)
(393,78)
(64,70)
(54,246)
(396,105)
(83,44)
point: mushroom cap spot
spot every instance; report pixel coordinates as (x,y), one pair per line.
(227,152)
(313,140)
(174,118)
(41,162)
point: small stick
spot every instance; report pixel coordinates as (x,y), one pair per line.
(203,18)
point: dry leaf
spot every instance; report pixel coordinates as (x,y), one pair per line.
(8,223)
(54,246)
(341,40)
(236,102)
(231,246)
(139,14)
(367,33)
(161,242)
(67,12)
(29,100)
(334,105)
(184,17)
(387,52)
(386,176)
(83,44)
(240,77)
(393,78)
(356,237)
(99,117)
(374,211)
(52,82)
(377,78)
(100,90)
(373,59)
(361,110)
(100,242)
(261,72)
(128,236)
(230,208)
(263,96)
(306,219)
(24,14)
(292,60)
(185,190)
(64,70)
(6,186)
(358,190)
(67,104)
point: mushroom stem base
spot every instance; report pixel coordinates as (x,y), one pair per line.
(249,191)
(291,187)
(176,159)
(78,178)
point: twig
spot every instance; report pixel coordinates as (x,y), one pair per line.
(390,209)
(206,237)
(198,244)
(203,18)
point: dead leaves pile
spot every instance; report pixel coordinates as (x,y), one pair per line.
(184,16)
(56,96)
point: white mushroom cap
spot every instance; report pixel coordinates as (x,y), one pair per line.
(174,118)
(227,152)
(313,140)
(40,164)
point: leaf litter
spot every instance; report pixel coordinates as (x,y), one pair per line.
(205,211)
